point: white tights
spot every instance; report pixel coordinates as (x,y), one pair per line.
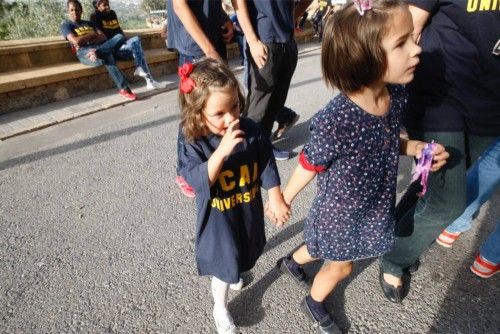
(219,292)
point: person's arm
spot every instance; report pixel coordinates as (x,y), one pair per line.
(193,27)
(258,49)
(420,17)
(231,138)
(278,211)
(414,148)
(163,30)
(300,8)
(90,38)
(298,181)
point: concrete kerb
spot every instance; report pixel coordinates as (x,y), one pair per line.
(25,121)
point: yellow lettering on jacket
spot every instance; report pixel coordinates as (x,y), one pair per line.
(482,5)
(225,182)
(244,175)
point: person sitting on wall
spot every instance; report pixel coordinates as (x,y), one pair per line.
(92,48)
(106,20)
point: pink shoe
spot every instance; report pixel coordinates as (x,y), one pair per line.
(446,239)
(185,187)
(484,268)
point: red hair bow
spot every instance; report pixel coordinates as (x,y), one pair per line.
(186,84)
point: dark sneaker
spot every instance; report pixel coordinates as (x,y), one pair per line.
(280,155)
(285,126)
(300,278)
(326,325)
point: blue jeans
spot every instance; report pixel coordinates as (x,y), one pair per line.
(132,49)
(482,179)
(490,249)
(106,53)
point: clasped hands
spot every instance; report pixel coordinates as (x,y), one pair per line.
(278,212)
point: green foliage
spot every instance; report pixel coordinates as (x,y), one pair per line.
(41,18)
(149,5)
(37,18)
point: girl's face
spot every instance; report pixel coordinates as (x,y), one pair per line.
(103,6)
(401,51)
(221,108)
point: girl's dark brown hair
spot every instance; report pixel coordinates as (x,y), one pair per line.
(352,55)
(209,75)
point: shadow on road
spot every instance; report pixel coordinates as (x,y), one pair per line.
(84,143)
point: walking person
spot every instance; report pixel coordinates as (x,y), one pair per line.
(106,20)
(354,148)
(92,48)
(272,56)
(227,161)
(454,101)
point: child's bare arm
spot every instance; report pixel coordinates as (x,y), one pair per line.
(231,138)
(299,179)
(415,147)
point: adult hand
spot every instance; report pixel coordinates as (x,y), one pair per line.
(259,53)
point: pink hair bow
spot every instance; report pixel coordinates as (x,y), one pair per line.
(186,84)
(424,165)
(363,5)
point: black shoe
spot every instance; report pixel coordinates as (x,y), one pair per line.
(325,325)
(414,267)
(300,279)
(395,295)
(285,126)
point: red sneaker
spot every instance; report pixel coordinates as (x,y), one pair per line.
(484,268)
(127,94)
(185,187)
(446,239)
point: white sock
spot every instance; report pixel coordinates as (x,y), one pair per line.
(219,292)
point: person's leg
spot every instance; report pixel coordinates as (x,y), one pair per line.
(105,59)
(84,56)
(260,87)
(444,201)
(490,250)
(324,283)
(482,179)
(223,319)
(112,45)
(328,277)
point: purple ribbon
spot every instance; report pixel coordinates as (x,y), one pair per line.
(423,168)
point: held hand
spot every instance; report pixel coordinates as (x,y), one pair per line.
(227,32)
(439,158)
(278,212)
(259,53)
(439,155)
(231,138)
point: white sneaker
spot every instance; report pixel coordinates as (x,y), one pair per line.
(237,286)
(224,322)
(139,72)
(153,84)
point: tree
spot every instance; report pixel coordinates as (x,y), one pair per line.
(37,18)
(149,5)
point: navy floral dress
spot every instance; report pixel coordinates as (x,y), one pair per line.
(352,216)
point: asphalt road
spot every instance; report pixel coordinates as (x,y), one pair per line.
(96,238)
